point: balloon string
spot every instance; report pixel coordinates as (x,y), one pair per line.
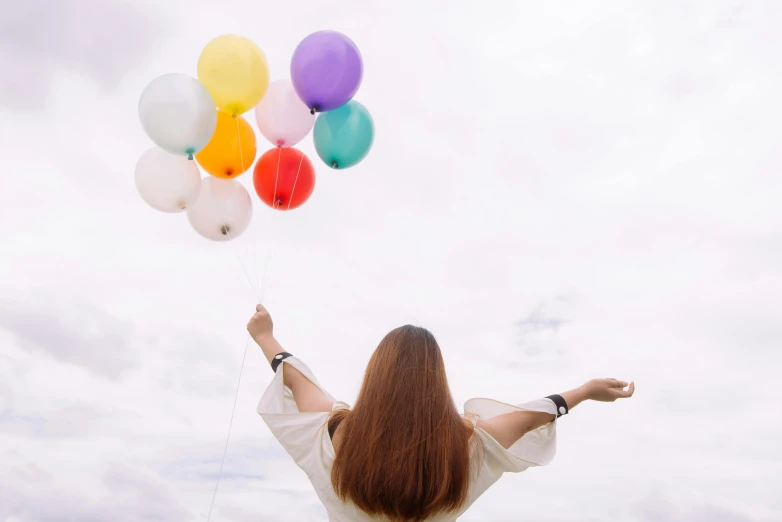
(238,382)
(244,268)
(296,179)
(259,292)
(228,231)
(239,137)
(230,425)
(271,255)
(276,177)
(267,284)
(259,295)
(253,252)
(272,229)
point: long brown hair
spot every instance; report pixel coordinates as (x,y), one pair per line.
(404,449)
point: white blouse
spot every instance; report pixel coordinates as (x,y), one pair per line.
(305,437)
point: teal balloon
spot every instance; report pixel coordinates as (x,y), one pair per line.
(344,136)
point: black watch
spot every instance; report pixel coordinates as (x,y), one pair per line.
(562,408)
(277,359)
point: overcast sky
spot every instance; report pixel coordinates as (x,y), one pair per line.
(558,190)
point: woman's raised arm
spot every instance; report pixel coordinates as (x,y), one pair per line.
(510,427)
(308,397)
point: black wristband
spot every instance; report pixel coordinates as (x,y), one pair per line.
(277,359)
(562,408)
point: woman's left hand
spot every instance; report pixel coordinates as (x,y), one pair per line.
(608,390)
(261,325)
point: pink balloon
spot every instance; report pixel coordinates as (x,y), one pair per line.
(282,117)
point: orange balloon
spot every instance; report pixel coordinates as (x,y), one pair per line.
(232,149)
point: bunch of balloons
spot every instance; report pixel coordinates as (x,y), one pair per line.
(199,122)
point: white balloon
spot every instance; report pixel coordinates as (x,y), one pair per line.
(167,182)
(223,209)
(178,113)
(282,117)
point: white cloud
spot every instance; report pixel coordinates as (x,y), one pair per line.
(70,331)
(123,493)
(94,38)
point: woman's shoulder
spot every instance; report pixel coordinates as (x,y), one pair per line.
(335,426)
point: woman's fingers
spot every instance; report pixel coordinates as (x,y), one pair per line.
(624,394)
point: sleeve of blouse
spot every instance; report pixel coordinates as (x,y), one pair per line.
(300,434)
(535,448)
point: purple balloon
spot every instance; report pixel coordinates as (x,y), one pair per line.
(326,70)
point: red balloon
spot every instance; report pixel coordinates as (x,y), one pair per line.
(284,178)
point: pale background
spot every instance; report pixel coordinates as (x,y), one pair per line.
(559,191)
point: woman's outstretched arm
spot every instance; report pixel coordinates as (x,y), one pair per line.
(308,397)
(510,427)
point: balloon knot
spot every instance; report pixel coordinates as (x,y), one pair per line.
(278,203)
(225,229)
(334,165)
(229,172)
(234,115)
(190,156)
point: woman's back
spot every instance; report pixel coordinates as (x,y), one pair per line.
(406,450)
(305,437)
(403,453)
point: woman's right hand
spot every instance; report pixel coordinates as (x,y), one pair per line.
(608,390)
(260,326)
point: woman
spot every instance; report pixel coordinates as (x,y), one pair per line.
(404,453)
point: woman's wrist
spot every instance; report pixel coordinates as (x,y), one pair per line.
(269,345)
(587,391)
(264,338)
(576,396)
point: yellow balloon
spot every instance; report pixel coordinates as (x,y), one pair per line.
(232,149)
(235,72)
